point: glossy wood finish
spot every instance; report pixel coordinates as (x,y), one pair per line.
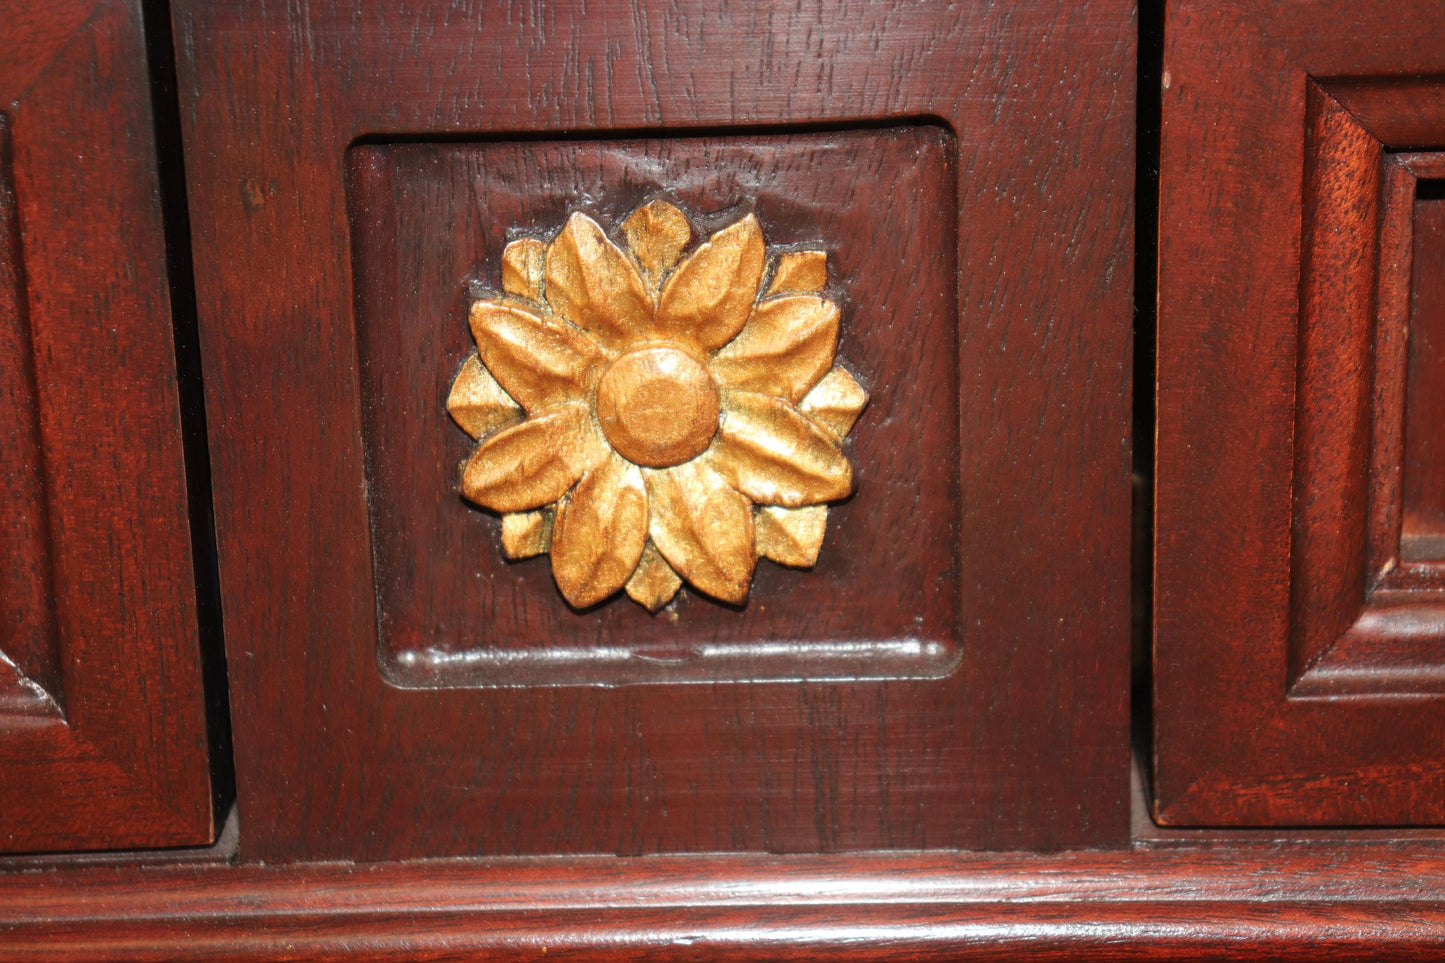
(102,730)
(1299,657)
(29,659)
(1025,745)
(1423,462)
(896,539)
(1272,902)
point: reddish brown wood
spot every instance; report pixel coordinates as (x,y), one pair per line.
(1384,632)
(1423,535)
(891,540)
(1391,361)
(1399,98)
(1299,666)
(220,852)
(110,748)
(29,660)
(1024,745)
(1325,902)
(1339,258)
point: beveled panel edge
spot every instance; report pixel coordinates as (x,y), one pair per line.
(779,660)
(29,659)
(1395,643)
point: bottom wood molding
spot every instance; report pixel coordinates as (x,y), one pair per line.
(1278,901)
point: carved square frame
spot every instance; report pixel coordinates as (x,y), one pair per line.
(1294,655)
(1365,619)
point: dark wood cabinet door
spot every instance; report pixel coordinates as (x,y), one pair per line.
(952,672)
(102,729)
(1300,575)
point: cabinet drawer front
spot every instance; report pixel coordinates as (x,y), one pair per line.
(1299,643)
(401,212)
(102,727)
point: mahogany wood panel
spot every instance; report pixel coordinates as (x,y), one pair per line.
(422,212)
(1423,467)
(29,662)
(1298,662)
(1390,632)
(118,757)
(1024,745)
(1277,902)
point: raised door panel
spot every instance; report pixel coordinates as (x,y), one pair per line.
(102,729)
(1299,637)
(415,219)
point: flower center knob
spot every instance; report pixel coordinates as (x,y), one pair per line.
(658,406)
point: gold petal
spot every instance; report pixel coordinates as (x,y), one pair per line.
(703,528)
(791,536)
(599,533)
(707,299)
(533,463)
(477,402)
(654,583)
(525,534)
(656,235)
(524,268)
(786,347)
(537,360)
(770,452)
(836,402)
(591,283)
(800,271)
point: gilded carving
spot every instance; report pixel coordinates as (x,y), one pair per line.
(653,412)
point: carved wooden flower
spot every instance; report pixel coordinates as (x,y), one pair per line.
(647,417)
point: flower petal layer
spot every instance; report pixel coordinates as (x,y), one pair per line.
(537,360)
(533,463)
(600,532)
(791,536)
(591,283)
(477,402)
(703,528)
(773,454)
(656,234)
(836,402)
(525,534)
(707,299)
(524,266)
(654,583)
(786,347)
(800,271)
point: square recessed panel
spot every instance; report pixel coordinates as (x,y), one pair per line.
(453,612)
(1294,683)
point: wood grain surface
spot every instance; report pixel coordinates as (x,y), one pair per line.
(29,657)
(1025,745)
(456,613)
(1389,634)
(98,555)
(1325,902)
(1288,690)
(1423,465)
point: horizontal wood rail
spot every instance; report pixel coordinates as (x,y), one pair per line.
(1283,901)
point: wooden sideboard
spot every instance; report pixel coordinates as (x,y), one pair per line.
(669,481)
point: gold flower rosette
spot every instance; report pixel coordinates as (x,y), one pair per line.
(647,417)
